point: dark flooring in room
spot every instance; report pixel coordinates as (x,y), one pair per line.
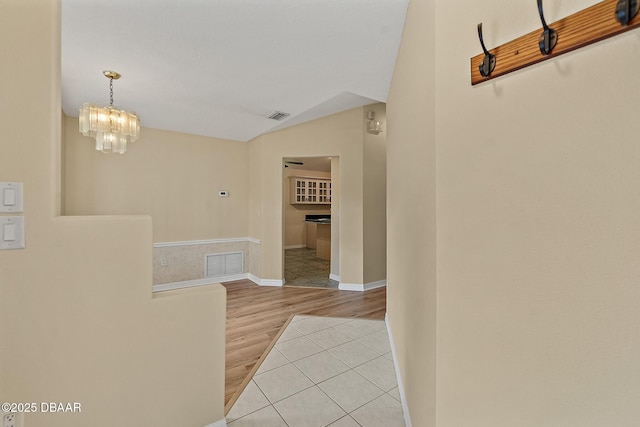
(303,268)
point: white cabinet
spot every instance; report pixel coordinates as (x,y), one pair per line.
(310,191)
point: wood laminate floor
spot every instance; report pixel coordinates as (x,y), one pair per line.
(255,315)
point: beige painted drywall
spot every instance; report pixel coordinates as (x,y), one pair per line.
(174,177)
(411,212)
(374,218)
(295,231)
(337,135)
(78,322)
(335,218)
(359,174)
(537,225)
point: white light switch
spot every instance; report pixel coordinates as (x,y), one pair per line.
(10,197)
(11,232)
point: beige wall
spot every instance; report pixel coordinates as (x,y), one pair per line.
(537,225)
(295,231)
(359,176)
(411,212)
(374,218)
(173,177)
(78,322)
(336,135)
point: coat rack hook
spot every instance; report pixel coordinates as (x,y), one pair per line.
(549,37)
(625,11)
(488,64)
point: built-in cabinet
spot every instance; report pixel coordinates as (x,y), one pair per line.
(310,191)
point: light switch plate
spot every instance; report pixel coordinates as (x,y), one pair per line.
(10,197)
(14,419)
(11,232)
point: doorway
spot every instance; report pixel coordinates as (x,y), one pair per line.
(309,201)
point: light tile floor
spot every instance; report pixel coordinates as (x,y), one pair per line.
(322,372)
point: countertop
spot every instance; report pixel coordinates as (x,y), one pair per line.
(318,219)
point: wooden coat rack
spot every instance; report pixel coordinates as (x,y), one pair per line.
(583,28)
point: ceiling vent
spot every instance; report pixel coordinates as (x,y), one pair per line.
(278,115)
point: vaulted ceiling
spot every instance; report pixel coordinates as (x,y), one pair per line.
(220,67)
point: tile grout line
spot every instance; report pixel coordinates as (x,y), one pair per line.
(291,322)
(348,413)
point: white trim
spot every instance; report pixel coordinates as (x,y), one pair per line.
(198,282)
(209,280)
(334,277)
(295,247)
(403,397)
(205,242)
(265,282)
(351,287)
(254,240)
(375,285)
(358,287)
(219,423)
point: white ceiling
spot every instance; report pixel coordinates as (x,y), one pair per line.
(220,67)
(319,164)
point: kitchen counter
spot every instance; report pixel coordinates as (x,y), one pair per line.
(318,219)
(323,241)
(319,234)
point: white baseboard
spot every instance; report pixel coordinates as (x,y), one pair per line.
(403,398)
(351,287)
(219,423)
(265,282)
(209,280)
(295,247)
(362,287)
(197,282)
(334,277)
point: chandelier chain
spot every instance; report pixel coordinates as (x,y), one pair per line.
(111,92)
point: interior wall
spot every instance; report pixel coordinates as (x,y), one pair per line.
(335,219)
(537,225)
(77,319)
(375,198)
(174,177)
(295,231)
(411,212)
(336,135)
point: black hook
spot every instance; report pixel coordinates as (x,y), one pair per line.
(489,62)
(549,37)
(625,11)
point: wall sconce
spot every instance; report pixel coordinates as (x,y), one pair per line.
(374,125)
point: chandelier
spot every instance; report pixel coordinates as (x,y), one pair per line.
(113,129)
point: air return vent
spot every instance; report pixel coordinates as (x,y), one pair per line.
(223,264)
(278,115)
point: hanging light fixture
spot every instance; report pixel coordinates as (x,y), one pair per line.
(113,129)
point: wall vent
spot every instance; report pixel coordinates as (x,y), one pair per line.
(223,264)
(278,115)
